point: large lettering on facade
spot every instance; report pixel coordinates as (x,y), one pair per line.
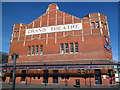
(51,29)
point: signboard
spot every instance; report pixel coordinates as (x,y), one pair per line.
(51,29)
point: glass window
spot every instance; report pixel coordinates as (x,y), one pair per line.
(93,25)
(71,47)
(105,26)
(102,24)
(32,50)
(61,48)
(62,77)
(37,50)
(67,77)
(66,48)
(76,47)
(78,71)
(38,77)
(17,33)
(34,77)
(28,50)
(97,24)
(41,49)
(14,33)
(83,71)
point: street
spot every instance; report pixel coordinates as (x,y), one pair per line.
(21,86)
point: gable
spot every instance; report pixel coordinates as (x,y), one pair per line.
(52,17)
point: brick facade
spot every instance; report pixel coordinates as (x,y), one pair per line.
(91,40)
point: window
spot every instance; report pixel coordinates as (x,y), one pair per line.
(28,50)
(102,24)
(14,33)
(41,49)
(76,47)
(105,26)
(66,48)
(34,77)
(62,48)
(37,50)
(110,73)
(17,33)
(97,24)
(71,48)
(78,71)
(83,71)
(67,77)
(32,50)
(38,77)
(62,77)
(93,25)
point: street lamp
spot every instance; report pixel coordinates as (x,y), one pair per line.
(45,74)
(14,57)
(66,76)
(89,73)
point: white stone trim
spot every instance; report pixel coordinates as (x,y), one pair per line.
(100,24)
(46,38)
(82,32)
(90,24)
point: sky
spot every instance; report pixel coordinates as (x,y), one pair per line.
(26,12)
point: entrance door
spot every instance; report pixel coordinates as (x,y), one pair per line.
(98,77)
(55,79)
(55,76)
(77,81)
(45,77)
(97,80)
(23,75)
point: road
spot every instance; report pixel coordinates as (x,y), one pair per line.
(21,86)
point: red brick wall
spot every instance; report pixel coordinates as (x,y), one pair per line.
(91,41)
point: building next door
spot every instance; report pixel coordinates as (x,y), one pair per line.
(55,76)
(98,77)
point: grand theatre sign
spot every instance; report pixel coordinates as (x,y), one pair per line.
(51,29)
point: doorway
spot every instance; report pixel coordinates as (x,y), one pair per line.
(55,76)
(77,81)
(98,77)
(45,77)
(23,75)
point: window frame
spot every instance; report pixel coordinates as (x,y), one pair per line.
(76,47)
(61,48)
(29,51)
(33,50)
(97,25)
(92,25)
(66,48)
(36,49)
(41,49)
(72,48)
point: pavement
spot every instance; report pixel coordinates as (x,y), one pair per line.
(21,86)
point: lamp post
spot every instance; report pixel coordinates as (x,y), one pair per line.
(45,74)
(89,73)
(14,57)
(66,82)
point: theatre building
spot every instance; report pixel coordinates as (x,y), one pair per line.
(59,48)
